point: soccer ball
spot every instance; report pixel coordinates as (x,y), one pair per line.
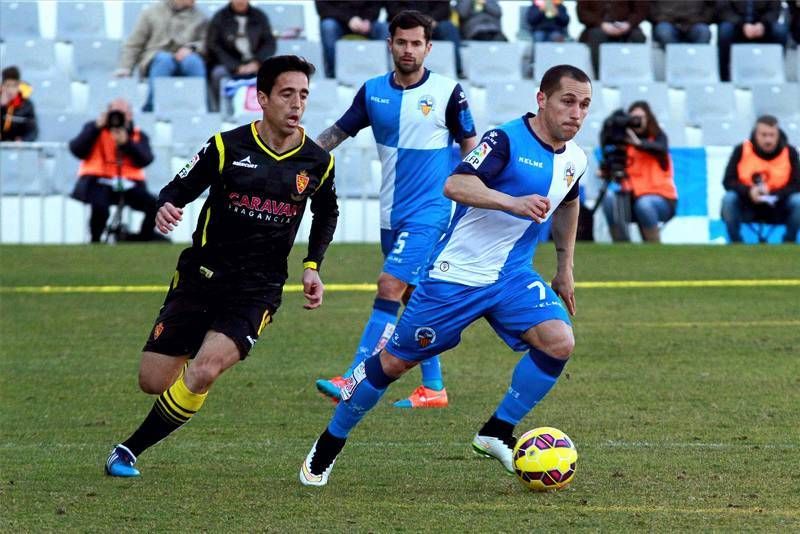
(545,459)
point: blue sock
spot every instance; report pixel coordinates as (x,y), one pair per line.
(534,376)
(380,325)
(432,373)
(370,383)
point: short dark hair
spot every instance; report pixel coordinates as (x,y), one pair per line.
(653,128)
(551,81)
(768,120)
(11,73)
(277,65)
(410,18)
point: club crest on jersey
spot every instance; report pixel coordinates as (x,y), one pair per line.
(425,336)
(569,173)
(301,180)
(478,154)
(157,329)
(426,104)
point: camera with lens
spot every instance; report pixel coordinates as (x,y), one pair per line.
(115,119)
(614,141)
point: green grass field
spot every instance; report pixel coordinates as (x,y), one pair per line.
(683,403)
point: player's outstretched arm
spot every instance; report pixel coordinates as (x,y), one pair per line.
(331,138)
(468,189)
(564,230)
(313,289)
(168,217)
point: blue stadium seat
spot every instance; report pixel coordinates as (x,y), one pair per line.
(193,130)
(103,89)
(287,20)
(19,20)
(490,61)
(756,63)
(675,132)
(51,92)
(80,19)
(441,59)
(710,102)
(20,171)
(691,64)
(317,118)
(176,94)
(509,100)
(546,55)
(310,50)
(358,60)
(780,100)
(792,130)
(656,94)
(324,94)
(130,14)
(625,63)
(60,126)
(589,135)
(32,56)
(718,132)
(90,55)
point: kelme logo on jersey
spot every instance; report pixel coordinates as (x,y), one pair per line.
(569,173)
(478,154)
(426,104)
(425,336)
(301,180)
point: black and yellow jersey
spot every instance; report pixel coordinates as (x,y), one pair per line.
(255,204)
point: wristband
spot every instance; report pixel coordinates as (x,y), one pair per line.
(310,265)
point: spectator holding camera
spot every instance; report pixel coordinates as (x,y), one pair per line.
(646,188)
(17,115)
(762,182)
(114,153)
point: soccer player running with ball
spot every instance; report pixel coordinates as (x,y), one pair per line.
(519,181)
(414,115)
(228,284)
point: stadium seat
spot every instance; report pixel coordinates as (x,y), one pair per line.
(176,94)
(80,19)
(490,61)
(130,15)
(524,30)
(193,130)
(33,56)
(19,20)
(91,55)
(718,132)
(358,61)
(691,64)
(310,50)
(60,126)
(710,101)
(756,63)
(103,90)
(20,171)
(287,20)
(441,60)
(792,130)
(316,120)
(589,135)
(656,94)
(625,63)
(51,92)
(160,172)
(324,94)
(546,55)
(353,174)
(509,100)
(675,132)
(780,100)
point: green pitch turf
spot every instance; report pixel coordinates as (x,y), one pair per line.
(683,403)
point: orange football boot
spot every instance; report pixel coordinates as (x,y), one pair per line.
(423,397)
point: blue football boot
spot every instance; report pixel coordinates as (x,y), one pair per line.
(331,388)
(120,462)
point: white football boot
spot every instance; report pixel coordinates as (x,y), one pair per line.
(492,447)
(307,477)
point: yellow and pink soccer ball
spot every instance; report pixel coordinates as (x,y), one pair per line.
(545,459)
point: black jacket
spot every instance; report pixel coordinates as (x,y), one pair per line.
(221,38)
(682,13)
(20,123)
(731,180)
(343,10)
(752,11)
(438,10)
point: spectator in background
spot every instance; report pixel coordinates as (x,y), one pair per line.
(681,21)
(114,153)
(480,20)
(338,18)
(794,21)
(762,182)
(548,20)
(610,22)
(443,27)
(239,39)
(746,21)
(167,41)
(17,114)
(648,187)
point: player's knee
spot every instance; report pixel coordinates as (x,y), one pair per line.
(153,385)
(203,374)
(391,288)
(393,366)
(561,347)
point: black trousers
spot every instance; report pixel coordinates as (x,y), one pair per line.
(101,197)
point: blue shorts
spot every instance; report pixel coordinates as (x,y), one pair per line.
(439,311)
(407,250)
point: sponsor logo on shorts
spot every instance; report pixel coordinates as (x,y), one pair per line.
(425,336)
(157,329)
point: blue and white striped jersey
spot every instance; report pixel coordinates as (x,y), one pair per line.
(482,245)
(414,129)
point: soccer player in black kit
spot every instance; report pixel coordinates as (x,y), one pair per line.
(228,284)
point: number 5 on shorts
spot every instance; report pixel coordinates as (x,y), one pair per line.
(400,244)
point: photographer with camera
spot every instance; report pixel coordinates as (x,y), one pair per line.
(638,168)
(114,153)
(762,182)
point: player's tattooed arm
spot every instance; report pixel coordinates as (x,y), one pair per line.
(331,138)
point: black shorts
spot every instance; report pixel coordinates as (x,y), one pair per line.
(190,311)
